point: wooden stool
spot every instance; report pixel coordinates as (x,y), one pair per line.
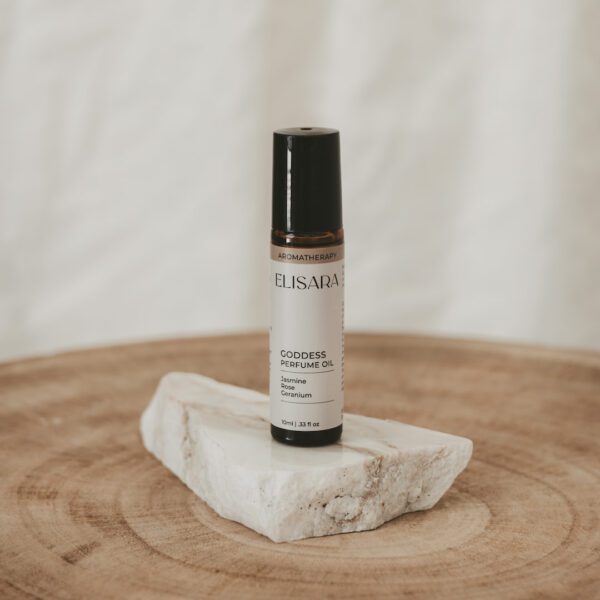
(86,512)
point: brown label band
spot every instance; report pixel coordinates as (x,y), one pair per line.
(307,256)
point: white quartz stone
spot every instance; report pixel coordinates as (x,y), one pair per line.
(216,439)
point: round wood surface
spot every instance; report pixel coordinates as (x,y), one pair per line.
(86,512)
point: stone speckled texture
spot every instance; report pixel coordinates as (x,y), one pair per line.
(215,437)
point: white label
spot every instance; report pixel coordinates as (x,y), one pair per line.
(307,337)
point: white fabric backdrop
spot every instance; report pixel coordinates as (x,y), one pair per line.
(135,141)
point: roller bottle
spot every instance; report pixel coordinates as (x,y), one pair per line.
(307,288)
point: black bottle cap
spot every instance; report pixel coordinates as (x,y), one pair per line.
(307,185)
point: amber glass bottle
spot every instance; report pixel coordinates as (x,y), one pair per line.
(307,288)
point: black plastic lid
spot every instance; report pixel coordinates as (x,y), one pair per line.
(307,185)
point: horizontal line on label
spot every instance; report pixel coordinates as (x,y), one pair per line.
(322,402)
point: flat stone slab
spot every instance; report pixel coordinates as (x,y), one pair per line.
(216,438)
